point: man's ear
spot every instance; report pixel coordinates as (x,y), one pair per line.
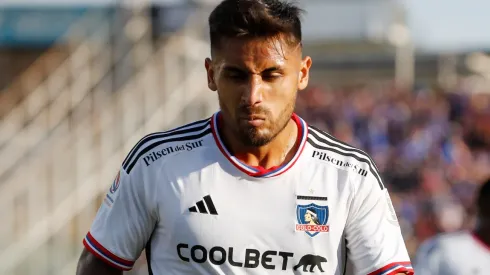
(208,64)
(304,73)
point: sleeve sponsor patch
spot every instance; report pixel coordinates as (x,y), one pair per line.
(115,183)
(109,199)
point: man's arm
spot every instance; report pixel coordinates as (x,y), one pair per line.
(91,265)
(374,240)
(123,225)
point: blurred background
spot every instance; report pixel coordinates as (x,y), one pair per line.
(81,81)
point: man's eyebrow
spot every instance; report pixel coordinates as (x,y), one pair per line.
(233,68)
(238,69)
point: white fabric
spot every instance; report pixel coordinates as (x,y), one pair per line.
(259,224)
(453,254)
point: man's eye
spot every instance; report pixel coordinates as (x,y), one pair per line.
(236,75)
(272,76)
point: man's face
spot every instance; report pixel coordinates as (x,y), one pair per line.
(257,81)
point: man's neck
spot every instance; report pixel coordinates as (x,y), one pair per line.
(280,150)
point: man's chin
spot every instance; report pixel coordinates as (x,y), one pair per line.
(255,139)
(256,142)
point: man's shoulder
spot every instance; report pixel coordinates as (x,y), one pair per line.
(324,142)
(333,151)
(156,146)
(444,242)
(454,239)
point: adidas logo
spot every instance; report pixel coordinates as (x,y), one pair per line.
(205,206)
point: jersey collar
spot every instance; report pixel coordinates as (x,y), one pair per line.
(260,172)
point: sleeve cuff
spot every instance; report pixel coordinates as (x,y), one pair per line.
(105,255)
(394,268)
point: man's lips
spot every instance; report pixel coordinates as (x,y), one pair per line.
(253,120)
(252,117)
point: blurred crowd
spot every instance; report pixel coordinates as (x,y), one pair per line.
(432,148)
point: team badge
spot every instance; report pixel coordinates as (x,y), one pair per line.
(312,219)
(115,184)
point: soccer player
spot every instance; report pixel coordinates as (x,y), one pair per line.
(462,253)
(229,194)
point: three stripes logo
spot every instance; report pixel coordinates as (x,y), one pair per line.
(204,206)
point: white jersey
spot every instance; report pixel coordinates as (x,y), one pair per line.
(199,210)
(459,253)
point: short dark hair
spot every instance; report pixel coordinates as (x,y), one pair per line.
(483,200)
(255,19)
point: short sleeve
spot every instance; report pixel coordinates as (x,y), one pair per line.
(124,222)
(374,240)
(428,258)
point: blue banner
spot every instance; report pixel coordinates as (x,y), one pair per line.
(40,26)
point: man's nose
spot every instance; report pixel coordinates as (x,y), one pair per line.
(253,91)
